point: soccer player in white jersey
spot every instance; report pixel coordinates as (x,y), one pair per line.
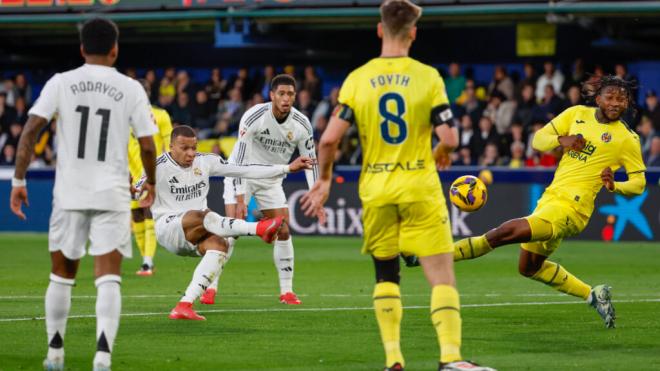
(185,226)
(269,133)
(95,105)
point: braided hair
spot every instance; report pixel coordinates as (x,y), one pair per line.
(595,86)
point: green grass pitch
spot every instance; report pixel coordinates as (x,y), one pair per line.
(509,322)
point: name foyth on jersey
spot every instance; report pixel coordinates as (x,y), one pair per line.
(97,87)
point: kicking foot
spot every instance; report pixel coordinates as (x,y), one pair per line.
(56,364)
(267,229)
(395,367)
(185,310)
(463,366)
(145,270)
(208,297)
(290,299)
(601,299)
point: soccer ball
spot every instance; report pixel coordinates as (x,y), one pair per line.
(468,193)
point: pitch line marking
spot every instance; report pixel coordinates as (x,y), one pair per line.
(338,309)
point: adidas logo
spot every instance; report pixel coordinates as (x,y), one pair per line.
(265,132)
(287,269)
(174,180)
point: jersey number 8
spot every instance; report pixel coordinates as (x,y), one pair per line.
(393,118)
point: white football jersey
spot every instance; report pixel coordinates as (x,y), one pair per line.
(94,106)
(180,189)
(263,140)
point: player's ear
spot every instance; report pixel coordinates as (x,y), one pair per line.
(271,94)
(82,51)
(379,30)
(598,100)
(114,52)
(413,33)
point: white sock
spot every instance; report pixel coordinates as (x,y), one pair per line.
(207,270)
(108,309)
(228,227)
(58,303)
(283,258)
(231,241)
(148,260)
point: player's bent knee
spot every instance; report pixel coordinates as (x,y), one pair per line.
(284,233)
(387,270)
(213,242)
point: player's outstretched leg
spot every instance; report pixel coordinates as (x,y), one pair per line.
(208,297)
(389,310)
(283,259)
(221,226)
(601,299)
(512,231)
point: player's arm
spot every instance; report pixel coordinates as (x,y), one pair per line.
(141,121)
(238,154)
(631,160)
(220,167)
(39,116)
(556,133)
(442,120)
(306,148)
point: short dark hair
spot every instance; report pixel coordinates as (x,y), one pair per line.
(282,79)
(399,16)
(98,36)
(183,131)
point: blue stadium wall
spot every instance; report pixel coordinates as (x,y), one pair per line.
(513,194)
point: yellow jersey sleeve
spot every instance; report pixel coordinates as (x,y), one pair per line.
(164,124)
(561,125)
(347,92)
(631,155)
(547,138)
(438,91)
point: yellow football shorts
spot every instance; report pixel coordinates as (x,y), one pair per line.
(565,222)
(417,228)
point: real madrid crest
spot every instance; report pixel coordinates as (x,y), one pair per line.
(197,171)
(606,137)
(289,135)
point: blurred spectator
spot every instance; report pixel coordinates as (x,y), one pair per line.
(269,73)
(502,83)
(465,131)
(454,82)
(550,76)
(646,134)
(7,114)
(215,88)
(577,76)
(487,134)
(573,96)
(323,111)
(305,104)
(463,157)
(490,156)
(183,84)
(131,72)
(202,111)
(150,80)
(233,108)
(257,98)
(23,89)
(652,109)
(517,158)
(469,103)
(515,134)
(221,129)
(500,111)
(551,105)
(313,84)
(653,159)
(8,157)
(526,107)
(529,78)
(166,92)
(242,82)
(180,111)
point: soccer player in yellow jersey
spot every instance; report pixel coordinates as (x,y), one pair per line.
(143,222)
(397,103)
(596,143)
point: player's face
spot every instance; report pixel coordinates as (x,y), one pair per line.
(612,101)
(283,97)
(183,150)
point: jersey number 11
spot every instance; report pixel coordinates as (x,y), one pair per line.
(105,122)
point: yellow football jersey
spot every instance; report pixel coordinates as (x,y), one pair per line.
(161,140)
(577,178)
(392,100)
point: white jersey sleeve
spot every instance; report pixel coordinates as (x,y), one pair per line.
(306,147)
(141,119)
(46,104)
(245,133)
(219,167)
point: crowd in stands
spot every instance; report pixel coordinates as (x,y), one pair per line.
(496,119)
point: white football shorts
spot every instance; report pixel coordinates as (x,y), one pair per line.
(69,231)
(269,195)
(170,235)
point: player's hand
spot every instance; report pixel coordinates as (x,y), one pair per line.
(301,163)
(312,202)
(18,197)
(442,161)
(574,142)
(241,207)
(147,195)
(607,176)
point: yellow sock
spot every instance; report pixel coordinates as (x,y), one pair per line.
(555,276)
(138,232)
(388,308)
(472,247)
(149,238)
(446,317)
